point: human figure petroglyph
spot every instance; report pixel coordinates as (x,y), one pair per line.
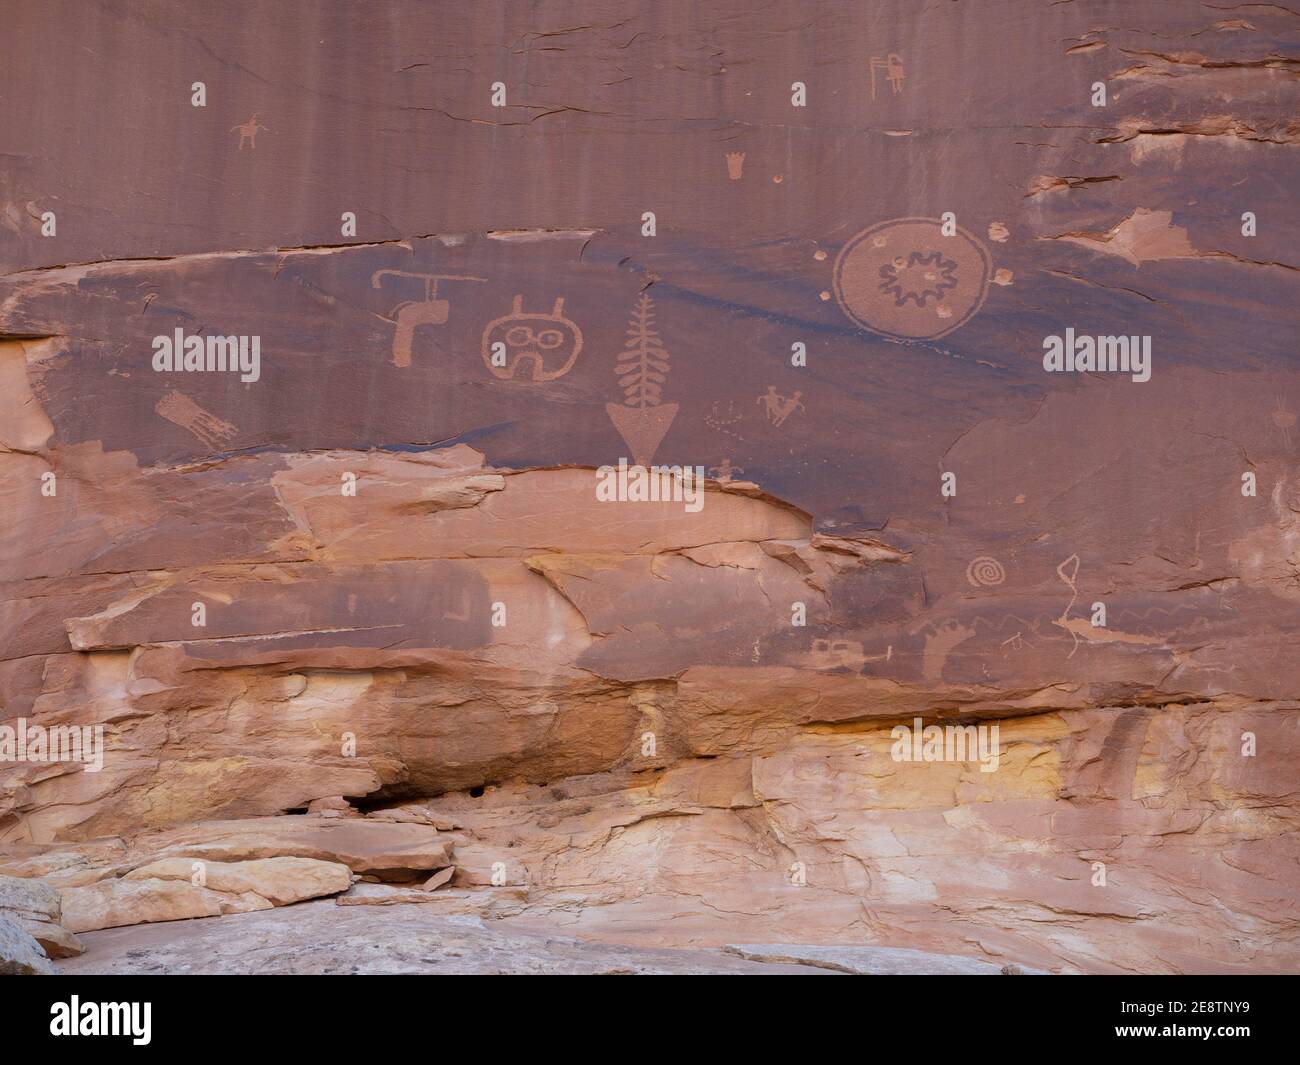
(892,65)
(415,313)
(778,407)
(942,638)
(894,72)
(248,133)
(725,471)
(789,407)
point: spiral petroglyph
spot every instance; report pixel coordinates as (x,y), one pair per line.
(554,488)
(985,572)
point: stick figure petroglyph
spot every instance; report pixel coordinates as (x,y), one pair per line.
(790,406)
(248,132)
(778,407)
(725,471)
(893,68)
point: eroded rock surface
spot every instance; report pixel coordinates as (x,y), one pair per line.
(37,907)
(365,608)
(871,961)
(317,938)
(176,888)
(20,954)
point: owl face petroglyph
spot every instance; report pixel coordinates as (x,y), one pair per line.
(544,346)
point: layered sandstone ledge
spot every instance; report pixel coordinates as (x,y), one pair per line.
(645,742)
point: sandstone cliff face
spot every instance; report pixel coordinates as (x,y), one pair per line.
(378,569)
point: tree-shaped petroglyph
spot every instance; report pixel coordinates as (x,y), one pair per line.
(642,419)
(643,367)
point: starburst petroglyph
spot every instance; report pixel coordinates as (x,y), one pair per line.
(918,277)
(907,278)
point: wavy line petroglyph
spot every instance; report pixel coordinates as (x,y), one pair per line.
(1083,628)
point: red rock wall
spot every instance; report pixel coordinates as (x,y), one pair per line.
(376,616)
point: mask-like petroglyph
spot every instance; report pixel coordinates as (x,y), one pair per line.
(547,344)
(414,313)
(906,279)
(642,419)
(735,165)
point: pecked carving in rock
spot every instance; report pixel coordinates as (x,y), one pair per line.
(365,605)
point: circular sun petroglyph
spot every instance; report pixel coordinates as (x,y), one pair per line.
(904,278)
